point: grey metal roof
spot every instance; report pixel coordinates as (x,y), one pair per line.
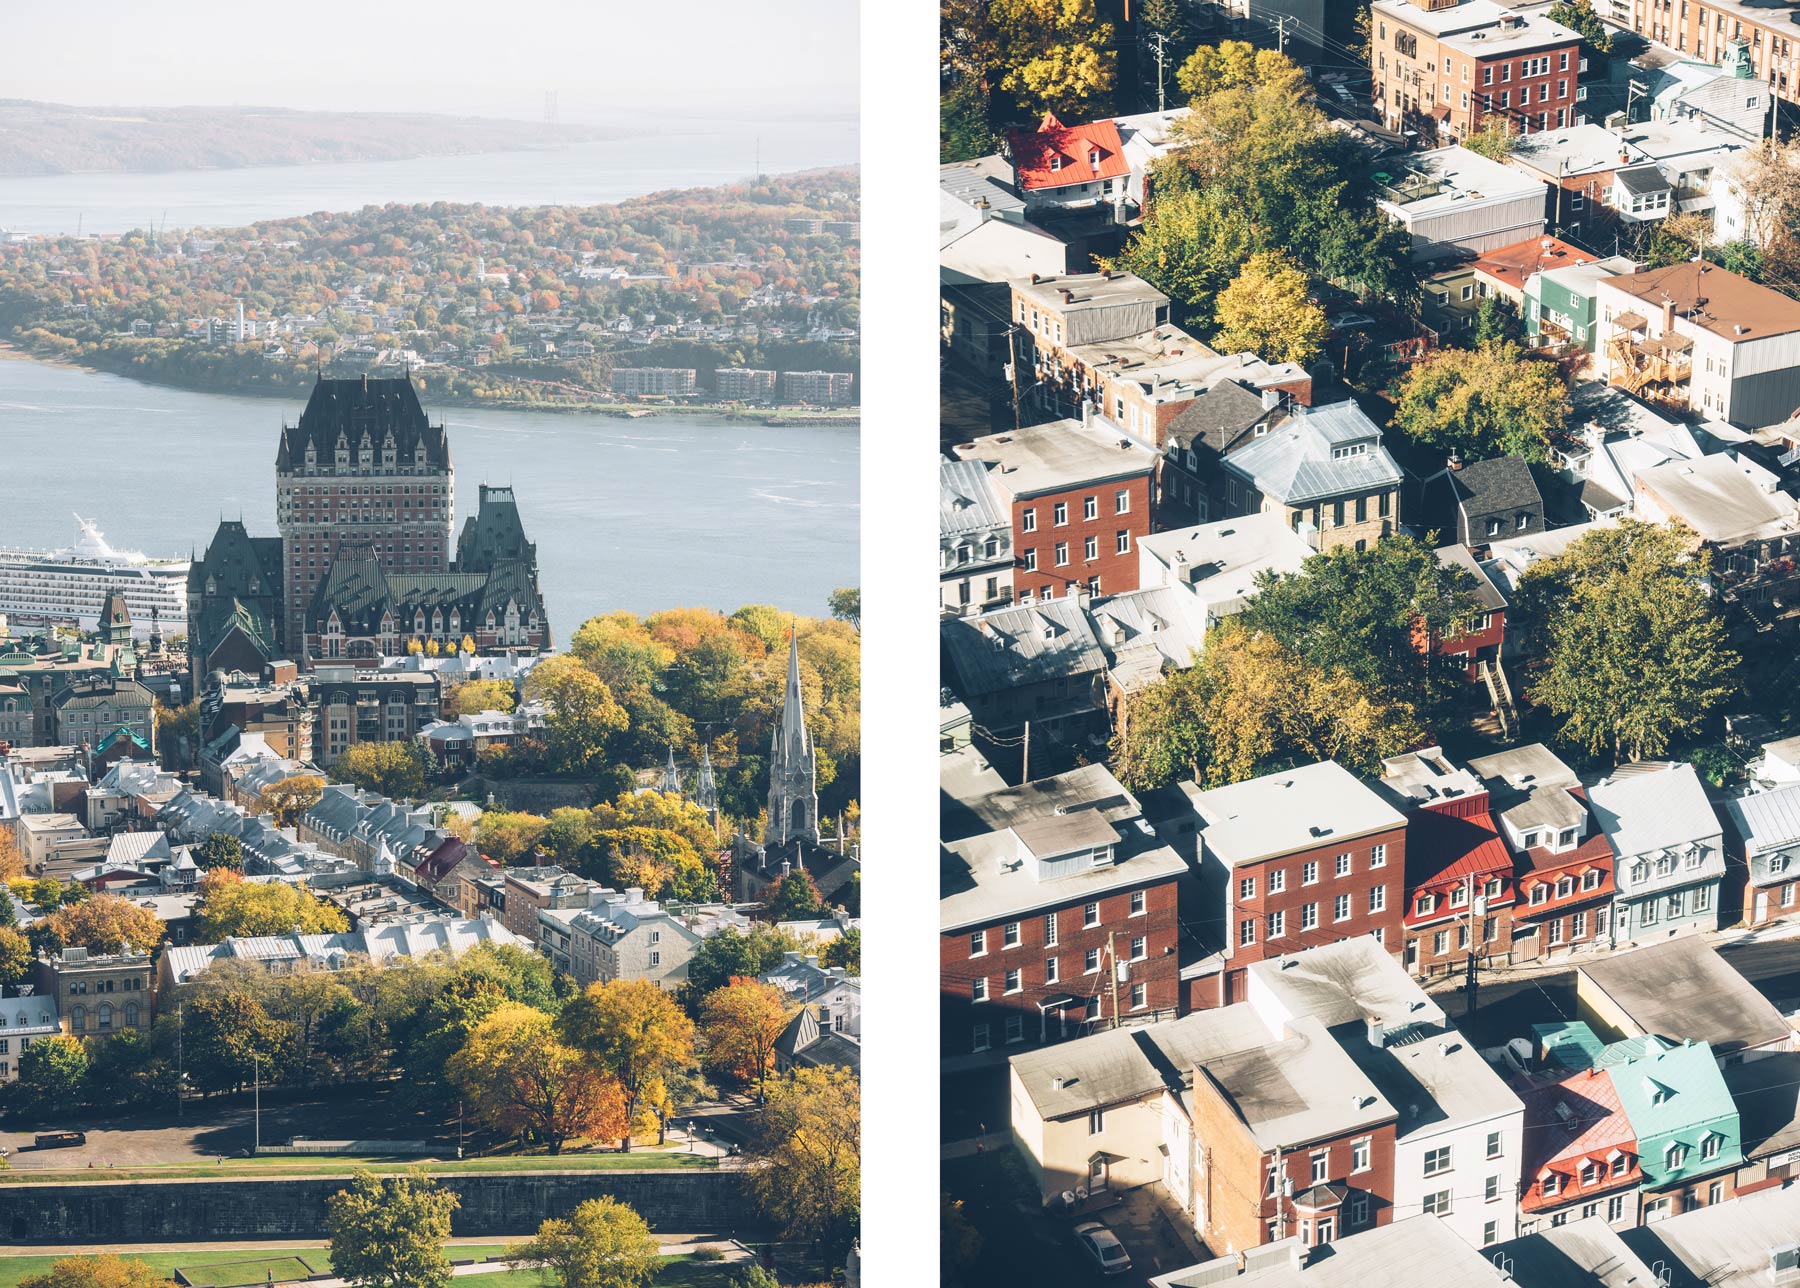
(968,500)
(1146,631)
(1653,811)
(1681,988)
(1023,644)
(1294,463)
(1458,556)
(1766,1092)
(1722,1245)
(1583,1254)
(1419,1252)
(1767,819)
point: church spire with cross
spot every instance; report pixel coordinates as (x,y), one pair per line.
(671,781)
(793,769)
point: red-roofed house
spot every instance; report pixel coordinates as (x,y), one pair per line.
(1580,1154)
(1504,270)
(1067,166)
(1459,889)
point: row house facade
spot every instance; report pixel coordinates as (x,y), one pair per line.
(1304,856)
(1581,1154)
(1668,853)
(1763,838)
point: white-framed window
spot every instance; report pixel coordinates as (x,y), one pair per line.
(1277,880)
(1052,970)
(1062,554)
(1246,932)
(1359,1154)
(977,943)
(1122,542)
(1028,520)
(1096,1121)
(1139,999)
(1437,1160)
(1378,898)
(1277,924)
(1059,514)
(1090,507)
(1090,915)
(1139,948)
(1137,903)
(1321,1166)
(1378,856)
(1122,501)
(1090,548)
(1340,908)
(1009,935)
(1492,1191)
(978,989)
(1050,937)
(1090,962)
(1343,865)
(978,1037)
(1246,887)
(1015,1028)
(1015,980)
(1309,873)
(1437,1204)
(1309,917)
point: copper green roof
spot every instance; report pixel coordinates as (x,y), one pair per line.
(1677,1102)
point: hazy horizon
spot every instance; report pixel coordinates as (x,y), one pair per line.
(601,61)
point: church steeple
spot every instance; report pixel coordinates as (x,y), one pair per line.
(793,769)
(115,619)
(706,790)
(671,781)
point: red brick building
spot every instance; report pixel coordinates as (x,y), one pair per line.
(1485,640)
(1081,497)
(1459,878)
(1305,856)
(1563,863)
(1053,925)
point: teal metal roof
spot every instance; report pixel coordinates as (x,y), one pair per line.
(1568,1044)
(1674,1095)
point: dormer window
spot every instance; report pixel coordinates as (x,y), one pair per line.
(1427,904)
(1529,840)
(1568,838)
(1552,1183)
(1094,157)
(1055,162)
(1639,870)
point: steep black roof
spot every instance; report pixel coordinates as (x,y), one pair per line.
(360,592)
(1488,487)
(1221,416)
(375,406)
(494,534)
(238,564)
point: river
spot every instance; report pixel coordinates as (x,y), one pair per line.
(653,154)
(627,514)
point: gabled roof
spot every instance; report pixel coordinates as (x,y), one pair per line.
(1591,1122)
(968,500)
(1653,811)
(1022,645)
(1297,463)
(1502,483)
(1057,155)
(1671,1086)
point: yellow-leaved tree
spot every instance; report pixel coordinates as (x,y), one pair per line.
(520,1077)
(1266,311)
(1055,56)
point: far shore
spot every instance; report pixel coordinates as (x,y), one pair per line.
(773,416)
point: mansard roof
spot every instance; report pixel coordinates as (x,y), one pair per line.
(238,563)
(494,533)
(359,592)
(349,409)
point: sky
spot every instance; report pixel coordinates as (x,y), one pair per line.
(603,58)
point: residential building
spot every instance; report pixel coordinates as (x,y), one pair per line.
(1668,852)
(744,384)
(352,704)
(816,1038)
(516,895)
(1477,650)
(1080,497)
(817,388)
(1683,1117)
(1459,1134)
(1325,471)
(975,539)
(1702,338)
(1581,1155)
(625,936)
(1767,1095)
(1410,1253)
(1057,913)
(25,1017)
(1296,858)
(98,994)
(1218,563)
(1562,859)
(40,836)
(1715,30)
(653,382)
(1763,837)
(1459,877)
(1681,988)
(1441,69)
(1494,498)
(1212,424)
(1453,202)
(1580,164)
(984,234)
(1062,167)
(1562,304)
(381,945)
(1724,91)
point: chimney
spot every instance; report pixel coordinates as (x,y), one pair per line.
(1087,413)
(634,894)
(1068,296)
(1668,317)
(1036,278)
(1377,1033)
(812,959)
(1271,399)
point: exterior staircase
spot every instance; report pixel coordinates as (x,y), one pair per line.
(1493,674)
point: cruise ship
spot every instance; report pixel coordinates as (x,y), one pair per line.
(40,588)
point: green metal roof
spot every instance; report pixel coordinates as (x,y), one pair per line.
(1674,1094)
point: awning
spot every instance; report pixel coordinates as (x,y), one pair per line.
(1441,112)
(1694,203)
(1629,321)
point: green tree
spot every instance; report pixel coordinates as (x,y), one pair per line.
(1580,15)
(98,1270)
(720,958)
(845,951)
(390,1231)
(228,1036)
(1237,64)
(15,956)
(964,131)
(1266,311)
(796,897)
(289,799)
(1484,402)
(1493,140)
(1633,653)
(394,769)
(637,1033)
(806,1160)
(52,1071)
(602,1243)
(846,605)
(1496,322)
(220,850)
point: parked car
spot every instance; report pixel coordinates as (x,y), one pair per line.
(1103,1248)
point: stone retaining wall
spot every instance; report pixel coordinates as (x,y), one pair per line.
(503,1205)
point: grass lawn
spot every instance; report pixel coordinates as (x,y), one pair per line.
(281,1260)
(343,1165)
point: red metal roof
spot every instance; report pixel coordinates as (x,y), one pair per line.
(1057,155)
(1513,264)
(1593,1125)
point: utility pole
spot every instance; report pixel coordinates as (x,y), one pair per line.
(258,1065)
(1025,767)
(180,1077)
(1161,40)
(1562,170)
(1281,34)
(1279,1187)
(1012,367)
(1112,968)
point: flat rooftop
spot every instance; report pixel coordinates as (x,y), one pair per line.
(983,879)
(1447,178)
(1723,1245)
(1721,498)
(1073,292)
(1225,557)
(1682,988)
(1057,456)
(1310,807)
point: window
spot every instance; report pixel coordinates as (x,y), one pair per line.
(1359,1155)
(1321,1166)
(1137,903)
(1052,972)
(1440,943)
(1015,1028)
(1096,1122)
(1009,935)
(1378,899)
(1590,1172)
(1031,561)
(1090,548)
(1578,926)
(1090,507)
(1556,931)
(1340,908)
(1489,1233)
(978,1039)
(1309,874)
(1615,1207)
(1309,917)
(1277,880)
(1277,925)
(1437,1160)
(1139,948)
(1459,896)
(1702,898)
(1246,933)
(1343,865)
(1590,880)
(1359,1209)
(1709,1147)
(1562,61)
(1620,1164)
(1090,962)
(1492,1192)
(1028,521)
(1437,1204)
(656,959)
(1552,1183)
(977,943)
(1122,502)
(1062,554)
(1059,514)
(1122,542)
(1090,915)
(1246,887)
(978,990)
(1015,980)
(1378,856)
(1138,1000)
(1715,1193)
(1675,1156)
(1050,930)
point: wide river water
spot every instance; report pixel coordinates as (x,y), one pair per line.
(633,514)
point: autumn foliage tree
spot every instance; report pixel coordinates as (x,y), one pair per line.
(602,1243)
(636,1032)
(472,697)
(1484,402)
(741,1023)
(105,923)
(291,797)
(520,1077)
(390,1231)
(1266,311)
(806,1160)
(233,907)
(98,1270)
(395,769)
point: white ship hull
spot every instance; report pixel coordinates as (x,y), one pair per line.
(40,588)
